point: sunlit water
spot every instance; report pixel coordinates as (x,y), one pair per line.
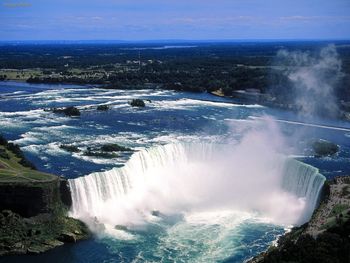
(226,235)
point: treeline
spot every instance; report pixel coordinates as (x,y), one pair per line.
(203,67)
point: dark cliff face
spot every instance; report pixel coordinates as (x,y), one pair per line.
(33,217)
(65,193)
(30,199)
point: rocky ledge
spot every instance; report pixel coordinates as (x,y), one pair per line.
(325,238)
(34,235)
(33,207)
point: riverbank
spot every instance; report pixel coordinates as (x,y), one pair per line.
(267,100)
(33,207)
(325,238)
(244,96)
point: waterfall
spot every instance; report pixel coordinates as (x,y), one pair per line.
(174,175)
(89,192)
(304,181)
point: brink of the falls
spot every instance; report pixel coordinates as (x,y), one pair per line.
(185,177)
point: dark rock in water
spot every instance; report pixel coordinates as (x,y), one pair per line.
(106,151)
(70,148)
(39,248)
(324,148)
(155,213)
(103,107)
(35,250)
(67,238)
(121,227)
(114,148)
(137,103)
(99,227)
(106,155)
(68,111)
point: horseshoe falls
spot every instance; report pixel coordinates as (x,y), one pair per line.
(199,194)
(208,180)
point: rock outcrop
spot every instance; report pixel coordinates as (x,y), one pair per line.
(325,238)
(29,199)
(33,207)
(34,235)
(68,111)
(137,103)
(324,148)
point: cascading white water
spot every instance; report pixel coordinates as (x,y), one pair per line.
(182,177)
(304,181)
(89,192)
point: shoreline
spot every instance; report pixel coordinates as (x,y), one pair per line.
(233,102)
(33,207)
(330,218)
(341,115)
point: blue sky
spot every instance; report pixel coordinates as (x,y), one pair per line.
(173,19)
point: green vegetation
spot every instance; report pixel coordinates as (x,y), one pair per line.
(227,67)
(324,148)
(330,246)
(38,234)
(137,103)
(15,167)
(4,154)
(12,169)
(339,208)
(324,239)
(40,222)
(16,151)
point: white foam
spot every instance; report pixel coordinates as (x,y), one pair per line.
(193,103)
(308,124)
(28,138)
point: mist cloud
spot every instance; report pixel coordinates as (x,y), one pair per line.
(313,79)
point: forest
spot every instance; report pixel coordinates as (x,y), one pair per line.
(189,66)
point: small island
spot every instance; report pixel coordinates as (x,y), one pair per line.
(68,111)
(323,148)
(137,103)
(102,107)
(107,151)
(69,148)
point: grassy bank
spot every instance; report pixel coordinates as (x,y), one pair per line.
(33,215)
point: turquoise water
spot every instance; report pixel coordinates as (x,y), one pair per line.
(204,235)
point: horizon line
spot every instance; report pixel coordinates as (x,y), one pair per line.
(180,40)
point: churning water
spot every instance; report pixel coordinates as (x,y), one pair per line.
(209,180)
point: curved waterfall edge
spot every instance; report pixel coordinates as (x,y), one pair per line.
(300,179)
